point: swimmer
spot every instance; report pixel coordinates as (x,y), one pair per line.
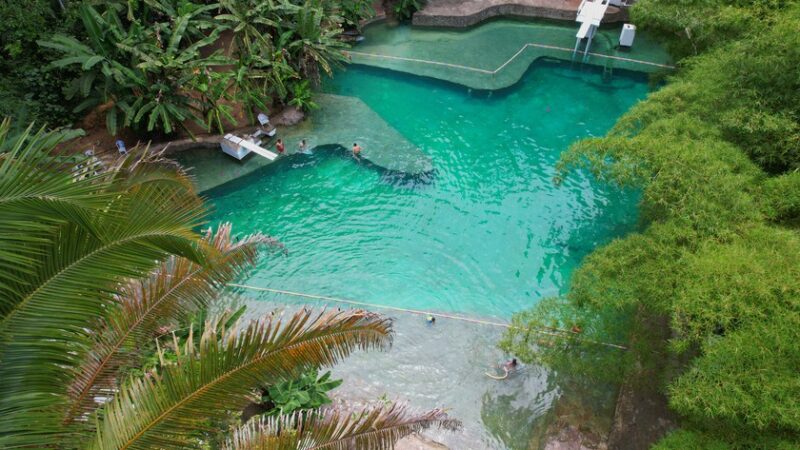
(279,146)
(356,150)
(508,367)
(302,146)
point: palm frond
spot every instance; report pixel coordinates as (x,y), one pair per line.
(220,374)
(371,428)
(74,273)
(38,191)
(171,294)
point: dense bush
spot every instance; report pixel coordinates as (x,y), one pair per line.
(404,9)
(706,297)
(28,90)
(155,65)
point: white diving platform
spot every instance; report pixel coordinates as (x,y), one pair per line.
(590,14)
(241,147)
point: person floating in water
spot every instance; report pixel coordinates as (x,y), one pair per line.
(279,146)
(356,150)
(302,146)
(508,367)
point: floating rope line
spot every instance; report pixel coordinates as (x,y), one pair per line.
(503,66)
(554,332)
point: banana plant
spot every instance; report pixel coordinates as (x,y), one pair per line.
(108,74)
(170,68)
(251,22)
(138,72)
(313,40)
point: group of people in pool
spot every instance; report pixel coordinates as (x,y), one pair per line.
(303,147)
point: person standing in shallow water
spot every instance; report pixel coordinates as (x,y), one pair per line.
(279,146)
(356,150)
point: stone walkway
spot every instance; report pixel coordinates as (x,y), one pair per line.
(465,13)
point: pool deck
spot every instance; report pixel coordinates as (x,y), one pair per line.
(466,13)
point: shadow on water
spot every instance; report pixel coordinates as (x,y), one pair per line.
(302,160)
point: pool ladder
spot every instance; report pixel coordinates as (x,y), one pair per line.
(608,68)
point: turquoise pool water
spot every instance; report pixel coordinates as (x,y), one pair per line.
(487,233)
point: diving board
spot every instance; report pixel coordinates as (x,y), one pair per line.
(239,148)
(261,151)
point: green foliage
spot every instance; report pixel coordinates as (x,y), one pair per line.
(404,9)
(302,96)
(782,198)
(692,27)
(706,297)
(95,263)
(718,439)
(154,65)
(354,11)
(309,391)
(136,71)
(29,92)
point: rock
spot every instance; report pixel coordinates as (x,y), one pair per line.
(418,442)
(291,115)
(572,438)
(642,417)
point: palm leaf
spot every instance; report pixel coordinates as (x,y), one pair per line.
(371,428)
(36,194)
(176,290)
(220,374)
(73,277)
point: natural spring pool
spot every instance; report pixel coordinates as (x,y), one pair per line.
(486,233)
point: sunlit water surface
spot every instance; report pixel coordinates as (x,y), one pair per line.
(485,235)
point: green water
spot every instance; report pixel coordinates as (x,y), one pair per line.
(486,234)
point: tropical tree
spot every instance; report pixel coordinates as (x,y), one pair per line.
(138,71)
(94,263)
(313,40)
(705,297)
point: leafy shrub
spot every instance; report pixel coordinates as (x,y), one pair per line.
(404,9)
(354,11)
(781,198)
(302,96)
(310,391)
(712,277)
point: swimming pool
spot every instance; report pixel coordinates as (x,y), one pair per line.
(483,234)
(486,233)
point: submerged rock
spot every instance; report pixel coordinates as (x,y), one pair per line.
(419,442)
(573,438)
